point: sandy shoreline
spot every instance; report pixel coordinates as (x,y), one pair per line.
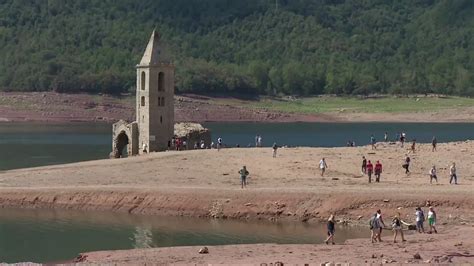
(452,246)
(206,184)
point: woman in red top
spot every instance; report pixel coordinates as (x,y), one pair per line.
(370,169)
(378,171)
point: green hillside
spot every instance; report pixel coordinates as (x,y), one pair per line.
(299,47)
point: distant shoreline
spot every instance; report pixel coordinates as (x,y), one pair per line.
(49,107)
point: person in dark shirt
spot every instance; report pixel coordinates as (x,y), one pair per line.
(364,165)
(331,230)
(434,142)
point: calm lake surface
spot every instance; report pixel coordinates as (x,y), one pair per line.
(32,144)
(55,236)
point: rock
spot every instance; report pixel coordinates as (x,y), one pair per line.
(374,256)
(248,204)
(359,217)
(458,244)
(203,250)
(386,200)
(417,256)
(335,178)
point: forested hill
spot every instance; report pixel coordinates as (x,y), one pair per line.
(259,46)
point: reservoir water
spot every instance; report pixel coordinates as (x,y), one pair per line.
(32,144)
(58,236)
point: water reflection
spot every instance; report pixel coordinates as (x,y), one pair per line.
(51,235)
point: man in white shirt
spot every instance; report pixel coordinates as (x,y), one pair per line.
(323,166)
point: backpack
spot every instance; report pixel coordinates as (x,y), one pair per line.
(372,222)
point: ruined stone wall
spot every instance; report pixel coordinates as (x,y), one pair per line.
(192,133)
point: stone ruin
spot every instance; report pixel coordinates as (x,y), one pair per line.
(154,127)
(192,133)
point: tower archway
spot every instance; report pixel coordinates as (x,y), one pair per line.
(121,145)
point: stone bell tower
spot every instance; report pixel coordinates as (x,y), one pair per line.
(155,93)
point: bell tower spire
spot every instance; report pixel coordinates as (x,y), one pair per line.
(155,93)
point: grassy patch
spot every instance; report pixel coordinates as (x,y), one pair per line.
(358,105)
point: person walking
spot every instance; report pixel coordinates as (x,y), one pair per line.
(374,228)
(452,174)
(378,171)
(381,223)
(434,142)
(420,220)
(331,225)
(433,175)
(243,176)
(370,170)
(323,165)
(373,142)
(413,145)
(219,143)
(406,165)
(397,228)
(432,220)
(364,165)
(402,138)
(385,137)
(275,148)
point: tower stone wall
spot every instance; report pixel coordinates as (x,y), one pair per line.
(154,127)
(154,100)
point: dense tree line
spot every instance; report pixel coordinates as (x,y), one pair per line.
(299,47)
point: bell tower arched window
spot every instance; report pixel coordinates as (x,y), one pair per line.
(161,81)
(143,80)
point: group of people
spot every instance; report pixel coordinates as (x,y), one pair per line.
(453,178)
(377,225)
(368,169)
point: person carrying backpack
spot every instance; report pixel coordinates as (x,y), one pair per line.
(373,225)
